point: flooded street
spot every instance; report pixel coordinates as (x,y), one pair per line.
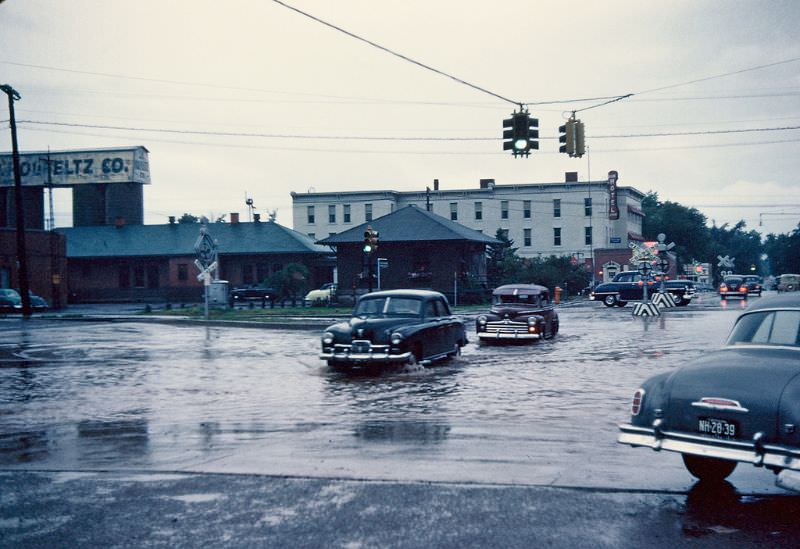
(83,396)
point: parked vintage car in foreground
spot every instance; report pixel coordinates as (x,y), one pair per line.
(394,327)
(519,312)
(733,286)
(737,404)
(629,286)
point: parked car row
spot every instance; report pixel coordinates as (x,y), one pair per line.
(11,301)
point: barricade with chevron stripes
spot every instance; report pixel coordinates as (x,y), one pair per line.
(646,309)
(663,299)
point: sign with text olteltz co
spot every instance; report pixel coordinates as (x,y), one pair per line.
(78,167)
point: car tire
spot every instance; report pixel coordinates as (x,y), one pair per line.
(684,302)
(610,300)
(705,469)
(676,299)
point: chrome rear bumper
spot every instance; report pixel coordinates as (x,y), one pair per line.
(753,451)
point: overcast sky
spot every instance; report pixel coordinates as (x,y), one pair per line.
(256,67)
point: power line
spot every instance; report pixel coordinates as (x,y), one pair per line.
(384,138)
(740,71)
(401,56)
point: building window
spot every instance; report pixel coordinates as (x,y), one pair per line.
(346,213)
(367,212)
(454,211)
(138,276)
(262,272)
(183,272)
(556,207)
(587,235)
(526,237)
(504,209)
(478,211)
(557,236)
(587,207)
(247,274)
(124,276)
(310,214)
(331,213)
(152,277)
(526,209)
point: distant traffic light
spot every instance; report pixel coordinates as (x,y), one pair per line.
(567,137)
(370,241)
(522,135)
(580,144)
(572,138)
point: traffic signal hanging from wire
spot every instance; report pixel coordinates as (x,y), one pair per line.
(370,241)
(522,134)
(571,137)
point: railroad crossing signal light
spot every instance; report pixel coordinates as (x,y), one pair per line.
(370,241)
(522,135)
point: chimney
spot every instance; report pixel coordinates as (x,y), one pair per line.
(435,184)
(487,183)
(234,218)
(172,220)
(571,177)
(256,218)
(119,222)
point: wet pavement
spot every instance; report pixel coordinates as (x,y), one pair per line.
(150,399)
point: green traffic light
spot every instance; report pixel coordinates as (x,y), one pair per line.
(367,249)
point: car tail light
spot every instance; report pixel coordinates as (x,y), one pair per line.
(636,405)
(723,288)
(743,289)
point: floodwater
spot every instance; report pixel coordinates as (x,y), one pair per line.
(158,397)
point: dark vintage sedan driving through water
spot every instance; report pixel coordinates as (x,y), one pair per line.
(519,312)
(394,327)
(738,404)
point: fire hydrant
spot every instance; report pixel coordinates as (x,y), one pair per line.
(558,295)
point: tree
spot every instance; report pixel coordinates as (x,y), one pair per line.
(291,281)
(744,246)
(783,252)
(188,218)
(684,226)
(556,271)
(502,263)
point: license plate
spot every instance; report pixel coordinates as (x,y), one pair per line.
(720,428)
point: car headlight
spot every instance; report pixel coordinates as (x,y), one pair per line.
(482,319)
(327,338)
(532,321)
(396,338)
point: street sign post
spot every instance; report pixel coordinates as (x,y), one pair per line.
(206,261)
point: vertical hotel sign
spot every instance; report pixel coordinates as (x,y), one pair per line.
(613,208)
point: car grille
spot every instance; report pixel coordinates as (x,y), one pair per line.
(360,346)
(507,327)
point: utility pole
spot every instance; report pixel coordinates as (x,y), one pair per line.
(22,256)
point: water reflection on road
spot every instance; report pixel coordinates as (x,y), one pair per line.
(163,397)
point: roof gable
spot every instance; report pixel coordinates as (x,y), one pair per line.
(411,224)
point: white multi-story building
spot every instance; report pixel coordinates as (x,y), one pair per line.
(575,218)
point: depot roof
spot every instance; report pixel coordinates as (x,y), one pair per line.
(178,239)
(411,224)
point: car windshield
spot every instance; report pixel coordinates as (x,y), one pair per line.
(519,299)
(767,328)
(388,306)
